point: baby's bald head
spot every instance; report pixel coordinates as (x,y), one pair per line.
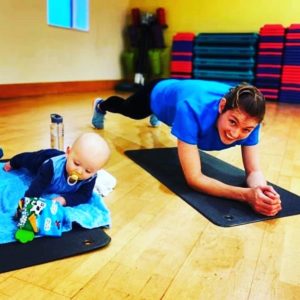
(89,152)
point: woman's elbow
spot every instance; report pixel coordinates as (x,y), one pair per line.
(193,183)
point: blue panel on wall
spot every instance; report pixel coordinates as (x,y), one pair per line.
(81,14)
(59,13)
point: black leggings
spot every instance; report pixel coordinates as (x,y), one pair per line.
(136,106)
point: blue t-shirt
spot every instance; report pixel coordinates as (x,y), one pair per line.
(190,108)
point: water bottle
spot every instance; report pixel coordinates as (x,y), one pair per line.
(57,132)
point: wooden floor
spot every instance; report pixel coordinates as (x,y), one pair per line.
(161,247)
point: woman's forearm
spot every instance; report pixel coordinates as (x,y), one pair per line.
(217,188)
(256,178)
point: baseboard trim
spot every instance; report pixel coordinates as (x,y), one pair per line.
(45,88)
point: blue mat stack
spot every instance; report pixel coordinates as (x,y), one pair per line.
(290,80)
(269,60)
(182,55)
(226,57)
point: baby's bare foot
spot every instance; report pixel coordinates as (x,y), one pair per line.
(7,167)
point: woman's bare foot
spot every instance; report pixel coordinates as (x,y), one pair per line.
(7,167)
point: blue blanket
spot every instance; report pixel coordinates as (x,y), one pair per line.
(13,185)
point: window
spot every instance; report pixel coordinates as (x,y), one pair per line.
(73,14)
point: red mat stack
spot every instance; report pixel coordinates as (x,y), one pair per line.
(290,80)
(269,60)
(182,55)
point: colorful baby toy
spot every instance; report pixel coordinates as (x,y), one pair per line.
(37,216)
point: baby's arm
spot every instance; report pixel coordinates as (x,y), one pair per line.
(41,181)
(16,162)
(7,167)
(61,200)
(31,161)
(82,195)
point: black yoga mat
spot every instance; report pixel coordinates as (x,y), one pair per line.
(15,255)
(163,164)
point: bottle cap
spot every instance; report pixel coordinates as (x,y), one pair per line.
(55,118)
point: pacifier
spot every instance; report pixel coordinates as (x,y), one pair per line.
(73,178)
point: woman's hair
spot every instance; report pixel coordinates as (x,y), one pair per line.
(248,99)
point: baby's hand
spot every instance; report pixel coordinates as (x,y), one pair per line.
(7,167)
(61,200)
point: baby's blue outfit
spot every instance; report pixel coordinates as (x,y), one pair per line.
(59,182)
(190,108)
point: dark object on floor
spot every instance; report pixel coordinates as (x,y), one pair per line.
(163,164)
(15,255)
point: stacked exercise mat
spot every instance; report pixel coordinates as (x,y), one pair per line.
(182,55)
(269,60)
(226,57)
(290,80)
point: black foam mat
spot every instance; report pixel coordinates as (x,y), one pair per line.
(163,164)
(15,255)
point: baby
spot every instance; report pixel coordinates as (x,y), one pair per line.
(71,174)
